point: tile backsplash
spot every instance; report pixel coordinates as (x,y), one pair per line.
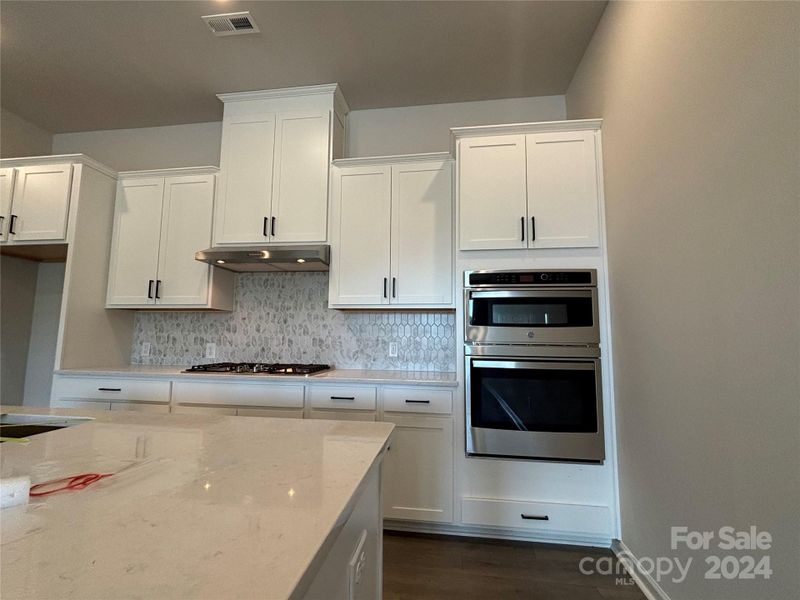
(284,317)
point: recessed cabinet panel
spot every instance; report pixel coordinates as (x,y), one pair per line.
(300,187)
(185,228)
(492,205)
(41,203)
(422,252)
(245,180)
(134,250)
(6,192)
(562,189)
(362,227)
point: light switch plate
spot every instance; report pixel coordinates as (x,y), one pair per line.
(392,349)
(211,350)
(146,349)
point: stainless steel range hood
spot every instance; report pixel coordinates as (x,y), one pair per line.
(268,258)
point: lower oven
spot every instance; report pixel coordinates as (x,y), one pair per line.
(534,402)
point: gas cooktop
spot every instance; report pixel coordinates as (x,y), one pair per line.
(245,368)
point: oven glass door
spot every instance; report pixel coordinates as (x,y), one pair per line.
(516,316)
(536,408)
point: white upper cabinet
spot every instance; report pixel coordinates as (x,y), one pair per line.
(245,189)
(534,185)
(6,193)
(562,189)
(492,196)
(391,234)
(134,249)
(422,242)
(161,219)
(300,185)
(276,151)
(39,205)
(361,229)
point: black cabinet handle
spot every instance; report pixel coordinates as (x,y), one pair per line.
(394,287)
(522,222)
(384,286)
(13,222)
(273,225)
(535,517)
(533,228)
(265,228)
(109,389)
(418,401)
(343,397)
(158,288)
(150,288)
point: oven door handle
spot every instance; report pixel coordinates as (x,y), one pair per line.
(578,365)
(548,293)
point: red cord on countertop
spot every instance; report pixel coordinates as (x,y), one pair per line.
(74,483)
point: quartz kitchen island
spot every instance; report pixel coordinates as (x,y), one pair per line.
(198,507)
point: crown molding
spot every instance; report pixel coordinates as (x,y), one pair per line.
(175,172)
(59,158)
(457,133)
(291,92)
(392,160)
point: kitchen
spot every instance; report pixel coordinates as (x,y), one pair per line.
(417,269)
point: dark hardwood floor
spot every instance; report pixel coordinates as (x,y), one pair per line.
(428,567)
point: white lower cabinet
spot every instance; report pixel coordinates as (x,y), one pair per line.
(140,407)
(239,398)
(342,415)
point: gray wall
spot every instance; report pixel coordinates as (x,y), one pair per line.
(17,294)
(700,144)
(19,137)
(371,133)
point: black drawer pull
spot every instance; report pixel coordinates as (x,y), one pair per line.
(343,397)
(158,289)
(11,227)
(417,401)
(533,229)
(273,225)
(109,389)
(150,288)
(535,517)
(265,228)
(522,223)
(385,280)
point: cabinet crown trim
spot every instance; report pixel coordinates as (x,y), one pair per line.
(457,133)
(26,161)
(175,172)
(393,160)
(308,90)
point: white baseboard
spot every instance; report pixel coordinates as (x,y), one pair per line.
(647,584)
(497,533)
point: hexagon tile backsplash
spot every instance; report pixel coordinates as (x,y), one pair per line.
(284,317)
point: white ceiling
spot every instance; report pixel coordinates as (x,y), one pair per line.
(76,66)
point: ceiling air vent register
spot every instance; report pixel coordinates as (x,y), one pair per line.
(238,23)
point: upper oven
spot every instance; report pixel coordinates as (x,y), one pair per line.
(531,307)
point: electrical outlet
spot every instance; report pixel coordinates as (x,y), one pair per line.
(392,349)
(146,349)
(211,350)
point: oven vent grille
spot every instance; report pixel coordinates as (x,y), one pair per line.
(238,23)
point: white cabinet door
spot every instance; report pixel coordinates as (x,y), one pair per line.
(492,195)
(422,253)
(342,415)
(361,226)
(245,189)
(563,190)
(6,193)
(300,183)
(41,203)
(418,469)
(185,228)
(134,247)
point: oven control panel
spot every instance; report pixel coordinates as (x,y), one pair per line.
(528,278)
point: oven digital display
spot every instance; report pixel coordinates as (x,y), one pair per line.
(526,278)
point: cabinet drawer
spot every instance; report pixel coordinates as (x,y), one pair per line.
(111,389)
(238,394)
(204,410)
(341,415)
(140,407)
(539,516)
(342,397)
(86,404)
(275,413)
(417,400)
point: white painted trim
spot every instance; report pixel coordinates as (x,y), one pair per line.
(173,172)
(498,533)
(647,584)
(392,160)
(456,133)
(308,90)
(59,158)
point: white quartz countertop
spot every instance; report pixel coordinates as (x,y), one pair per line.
(198,506)
(333,376)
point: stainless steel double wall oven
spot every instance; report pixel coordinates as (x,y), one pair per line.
(532,354)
